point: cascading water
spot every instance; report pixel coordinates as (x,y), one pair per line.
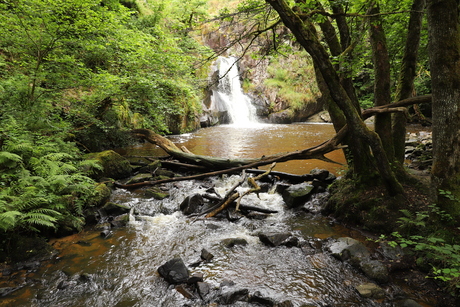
(229,96)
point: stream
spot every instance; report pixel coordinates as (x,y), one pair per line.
(121,270)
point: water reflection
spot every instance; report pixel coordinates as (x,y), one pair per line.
(253,141)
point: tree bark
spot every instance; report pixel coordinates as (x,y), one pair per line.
(382,92)
(444,50)
(407,73)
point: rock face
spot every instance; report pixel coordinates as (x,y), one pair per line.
(174,271)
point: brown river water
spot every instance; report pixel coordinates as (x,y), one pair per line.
(122,269)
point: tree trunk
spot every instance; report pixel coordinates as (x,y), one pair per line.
(359,131)
(405,88)
(382,92)
(444,50)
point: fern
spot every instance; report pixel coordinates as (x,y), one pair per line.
(9,160)
(8,219)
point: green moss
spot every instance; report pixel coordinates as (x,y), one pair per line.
(114,165)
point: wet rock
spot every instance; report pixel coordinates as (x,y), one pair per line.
(6,290)
(103,226)
(227,283)
(320,174)
(346,248)
(192,204)
(233,216)
(196,277)
(297,194)
(151,167)
(257,215)
(114,209)
(407,303)
(164,173)
(7,271)
(140,178)
(231,242)
(29,265)
(375,270)
(174,271)
(285,304)
(106,234)
(232,296)
(120,221)
(257,298)
(370,290)
(281,187)
(203,289)
(277,239)
(206,255)
(185,291)
(156,193)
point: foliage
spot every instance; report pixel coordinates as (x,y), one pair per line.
(100,67)
(42,184)
(293,78)
(421,233)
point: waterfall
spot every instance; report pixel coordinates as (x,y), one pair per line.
(229,96)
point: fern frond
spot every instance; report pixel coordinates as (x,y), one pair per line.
(58,156)
(9,160)
(90,166)
(36,218)
(8,219)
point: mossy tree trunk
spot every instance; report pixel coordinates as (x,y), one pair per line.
(364,140)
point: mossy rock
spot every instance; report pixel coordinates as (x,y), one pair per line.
(101,195)
(114,165)
(165,173)
(156,193)
(153,166)
(114,209)
(140,178)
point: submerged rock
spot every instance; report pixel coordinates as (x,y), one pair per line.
(231,242)
(370,290)
(174,271)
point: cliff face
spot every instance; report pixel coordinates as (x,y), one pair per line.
(282,86)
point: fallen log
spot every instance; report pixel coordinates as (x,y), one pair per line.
(234,165)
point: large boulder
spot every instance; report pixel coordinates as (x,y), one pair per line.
(114,165)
